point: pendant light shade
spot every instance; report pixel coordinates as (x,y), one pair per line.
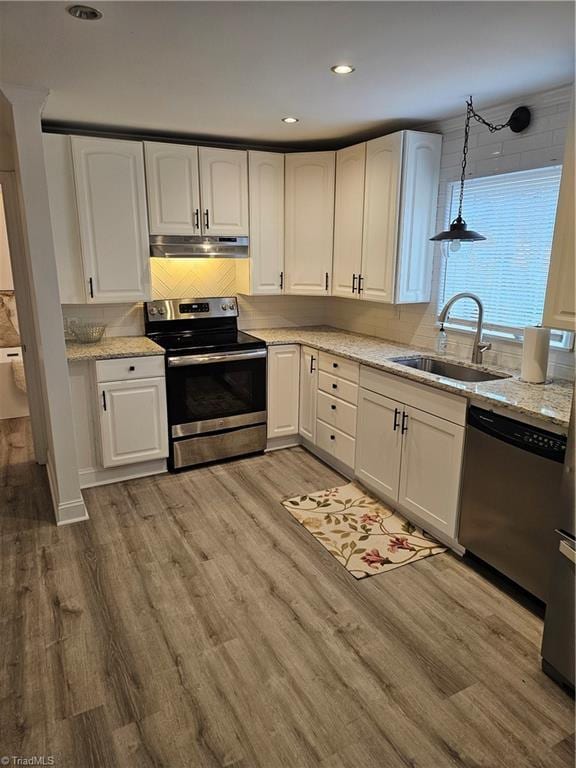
(458,231)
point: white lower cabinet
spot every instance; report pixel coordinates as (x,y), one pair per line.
(379,443)
(132,419)
(430,473)
(308,392)
(409,456)
(283,390)
(120,418)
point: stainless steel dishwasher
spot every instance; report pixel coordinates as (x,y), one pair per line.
(511,497)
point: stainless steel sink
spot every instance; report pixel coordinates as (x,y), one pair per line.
(447,369)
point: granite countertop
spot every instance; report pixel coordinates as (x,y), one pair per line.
(111,347)
(546,402)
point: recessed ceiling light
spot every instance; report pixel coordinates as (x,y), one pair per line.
(84,12)
(290,120)
(342,69)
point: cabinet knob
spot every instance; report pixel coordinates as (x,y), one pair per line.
(332,437)
(334,365)
(333,407)
(132,368)
(334,386)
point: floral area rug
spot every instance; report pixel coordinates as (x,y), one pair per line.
(361,532)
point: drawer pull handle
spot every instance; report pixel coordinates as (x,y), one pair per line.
(334,386)
(332,437)
(132,368)
(333,407)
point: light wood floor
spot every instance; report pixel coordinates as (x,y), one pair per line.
(192,622)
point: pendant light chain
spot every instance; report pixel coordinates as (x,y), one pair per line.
(469,113)
(458,230)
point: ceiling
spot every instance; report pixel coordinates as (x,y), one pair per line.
(234,69)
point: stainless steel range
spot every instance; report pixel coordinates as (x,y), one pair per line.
(215,379)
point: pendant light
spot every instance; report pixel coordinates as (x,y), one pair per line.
(459,235)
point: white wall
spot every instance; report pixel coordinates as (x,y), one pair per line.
(540,145)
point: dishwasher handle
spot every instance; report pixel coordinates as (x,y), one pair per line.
(532,439)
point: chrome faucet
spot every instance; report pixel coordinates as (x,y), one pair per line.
(479,346)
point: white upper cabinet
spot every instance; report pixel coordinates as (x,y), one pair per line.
(383,169)
(266,175)
(402,174)
(224,191)
(173,186)
(560,307)
(309,222)
(348,220)
(111,197)
(64,218)
(418,205)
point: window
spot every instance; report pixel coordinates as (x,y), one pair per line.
(509,270)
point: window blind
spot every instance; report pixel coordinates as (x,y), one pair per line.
(509,270)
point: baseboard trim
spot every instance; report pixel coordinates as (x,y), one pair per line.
(72,512)
(335,464)
(91,477)
(277,443)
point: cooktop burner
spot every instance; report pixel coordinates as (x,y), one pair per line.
(194,326)
(202,341)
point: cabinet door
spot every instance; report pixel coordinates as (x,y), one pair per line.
(381,204)
(309,222)
(419,201)
(348,220)
(283,389)
(266,173)
(379,443)
(64,218)
(172,183)
(560,306)
(431,464)
(224,191)
(133,422)
(308,392)
(111,193)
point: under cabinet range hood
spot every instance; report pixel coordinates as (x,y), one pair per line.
(198,247)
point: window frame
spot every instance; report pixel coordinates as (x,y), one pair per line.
(559,339)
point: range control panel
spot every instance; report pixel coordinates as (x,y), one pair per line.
(190,309)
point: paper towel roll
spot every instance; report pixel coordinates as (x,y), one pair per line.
(535,355)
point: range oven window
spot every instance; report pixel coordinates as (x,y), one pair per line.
(216,390)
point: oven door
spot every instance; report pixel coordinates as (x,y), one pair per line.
(216,391)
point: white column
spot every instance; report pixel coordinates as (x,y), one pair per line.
(38,249)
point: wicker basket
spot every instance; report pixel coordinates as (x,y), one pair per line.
(88,333)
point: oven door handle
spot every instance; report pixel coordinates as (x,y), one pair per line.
(222,357)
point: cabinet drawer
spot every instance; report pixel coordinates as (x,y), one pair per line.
(336,443)
(337,413)
(422,396)
(126,368)
(345,390)
(340,366)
